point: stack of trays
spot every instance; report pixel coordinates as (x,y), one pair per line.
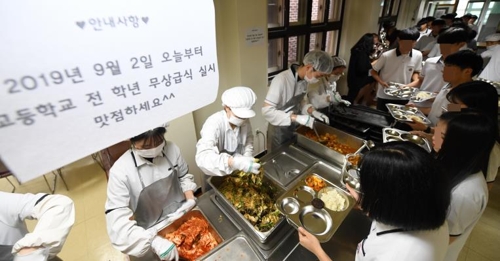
(390,134)
(407,113)
(400,91)
(302,206)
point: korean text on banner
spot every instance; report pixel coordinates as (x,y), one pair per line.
(78,76)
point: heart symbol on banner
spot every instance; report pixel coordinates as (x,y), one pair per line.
(145,19)
(81,24)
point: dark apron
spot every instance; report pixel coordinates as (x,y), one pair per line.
(278,135)
(6,254)
(155,202)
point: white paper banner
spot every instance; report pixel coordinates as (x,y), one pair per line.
(79,76)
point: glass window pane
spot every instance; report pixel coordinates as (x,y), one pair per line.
(387,9)
(332,38)
(274,55)
(296,49)
(315,41)
(395,8)
(381,8)
(318,11)
(298,12)
(274,13)
(335,10)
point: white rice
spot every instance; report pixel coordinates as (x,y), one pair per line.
(333,200)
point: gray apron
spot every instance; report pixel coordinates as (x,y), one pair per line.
(5,253)
(155,202)
(278,135)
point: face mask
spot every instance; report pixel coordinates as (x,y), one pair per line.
(310,80)
(151,153)
(236,121)
(491,47)
(334,78)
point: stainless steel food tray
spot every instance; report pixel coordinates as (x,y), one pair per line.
(391,134)
(286,165)
(263,237)
(195,212)
(414,97)
(237,248)
(400,91)
(322,150)
(300,210)
(406,113)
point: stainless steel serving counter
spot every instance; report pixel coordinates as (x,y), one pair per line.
(342,246)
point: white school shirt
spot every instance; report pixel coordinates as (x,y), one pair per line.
(428,245)
(280,92)
(493,163)
(492,70)
(318,93)
(55,215)
(124,188)
(432,72)
(424,40)
(394,67)
(468,202)
(218,136)
(437,106)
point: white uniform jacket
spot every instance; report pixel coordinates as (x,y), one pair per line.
(385,243)
(55,215)
(124,188)
(219,142)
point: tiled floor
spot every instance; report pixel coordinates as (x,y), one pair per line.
(88,240)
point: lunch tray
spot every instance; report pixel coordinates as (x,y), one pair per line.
(390,134)
(400,91)
(303,208)
(406,113)
(416,99)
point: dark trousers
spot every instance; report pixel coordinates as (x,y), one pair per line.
(382,102)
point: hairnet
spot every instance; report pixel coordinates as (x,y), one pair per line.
(338,62)
(493,37)
(320,60)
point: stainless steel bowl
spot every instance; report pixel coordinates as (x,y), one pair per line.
(290,205)
(304,193)
(393,138)
(392,132)
(316,221)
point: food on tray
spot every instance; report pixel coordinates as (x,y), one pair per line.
(333,199)
(331,142)
(417,118)
(193,238)
(354,159)
(423,95)
(315,182)
(253,198)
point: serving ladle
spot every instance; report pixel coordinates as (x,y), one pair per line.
(320,140)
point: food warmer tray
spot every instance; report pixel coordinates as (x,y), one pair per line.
(263,237)
(322,150)
(195,212)
(300,206)
(406,113)
(236,248)
(391,134)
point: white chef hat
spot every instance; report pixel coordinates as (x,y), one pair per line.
(492,37)
(240,100)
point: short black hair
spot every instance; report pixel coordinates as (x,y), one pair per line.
(430,18)
(409,34)
(439,21)
(453,35)
(449,16)
(150,137)
(465,59)
(467,15)
(477,95)
(388,25)
(403,186)
(422,22)
(470,137)
(473,17)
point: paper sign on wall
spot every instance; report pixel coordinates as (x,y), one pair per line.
(79,76)
(254,36)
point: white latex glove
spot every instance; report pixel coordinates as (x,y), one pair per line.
(185,207)
(246,164)
(165,249)
(41,254)
(305,120)
(336,99)
(320,116)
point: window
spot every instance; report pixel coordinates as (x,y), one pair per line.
(389,10)
(296,27)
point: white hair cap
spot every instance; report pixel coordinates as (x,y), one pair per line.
(240,100)
(320,60)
